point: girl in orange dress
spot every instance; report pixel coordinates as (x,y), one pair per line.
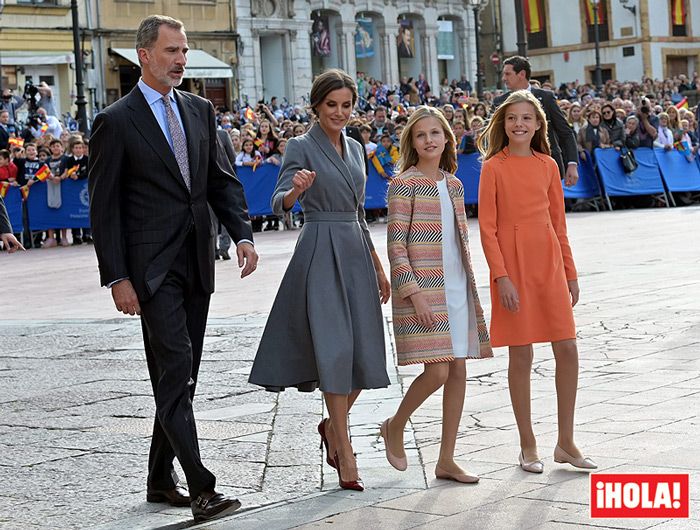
(534,284)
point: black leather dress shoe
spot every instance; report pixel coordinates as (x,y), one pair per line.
(210,505)
(178,496)
(225,255)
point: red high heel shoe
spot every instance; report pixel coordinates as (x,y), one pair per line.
(356,485)
(324,442)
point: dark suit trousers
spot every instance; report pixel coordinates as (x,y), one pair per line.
(173,321)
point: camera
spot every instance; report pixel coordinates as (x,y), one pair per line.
(35,121)
(645,109)
(30,91)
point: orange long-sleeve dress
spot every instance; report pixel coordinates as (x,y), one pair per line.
(523,233)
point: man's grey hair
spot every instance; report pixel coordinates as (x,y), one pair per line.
(147,34)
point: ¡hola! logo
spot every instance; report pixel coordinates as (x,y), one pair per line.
(639,495)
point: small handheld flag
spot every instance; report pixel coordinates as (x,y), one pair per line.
(43,173)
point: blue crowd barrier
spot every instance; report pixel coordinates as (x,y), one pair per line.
(376,189)
(73,213)
(13,203)
(645,180)
(587,186)
(469,171)
(678,173)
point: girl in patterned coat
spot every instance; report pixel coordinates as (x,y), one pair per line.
(437,318)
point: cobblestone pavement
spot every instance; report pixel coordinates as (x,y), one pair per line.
(76,408)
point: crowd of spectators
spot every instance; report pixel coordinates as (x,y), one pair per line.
(622,115)
(27,146)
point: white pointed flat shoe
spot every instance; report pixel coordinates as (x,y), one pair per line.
(536,466)
(562,457)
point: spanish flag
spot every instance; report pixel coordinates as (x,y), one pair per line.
(72,170)
(249,114)
(4,186)
(678,12)
(258,142)
(256,162)
(44,128)
(42,173)
(534,15)
(590,14)
(682,104)
(25,192)
(16,142)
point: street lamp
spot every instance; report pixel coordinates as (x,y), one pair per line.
(520,28)
(80,101)
(598,74)
(477,6)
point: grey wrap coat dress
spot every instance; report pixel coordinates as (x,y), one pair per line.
(325,329)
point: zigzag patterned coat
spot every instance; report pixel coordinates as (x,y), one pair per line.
(414,237)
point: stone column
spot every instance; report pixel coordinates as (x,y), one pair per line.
(430,60)
(349,59)
(391,65)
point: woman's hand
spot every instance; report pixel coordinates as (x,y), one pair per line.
(574,291)
(508,294)
(302,180)
(425,315)
(384,287)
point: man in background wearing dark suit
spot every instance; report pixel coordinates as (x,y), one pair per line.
(516,76)
(153,169)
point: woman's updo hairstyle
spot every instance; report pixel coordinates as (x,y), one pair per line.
(327,82)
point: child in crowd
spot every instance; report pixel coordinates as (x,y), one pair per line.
(8,169)
(437,318)
(53,190)
(276,158)
(75,166)
(26,169)
(366,134)
(385,156)
(248,156)
(533,288)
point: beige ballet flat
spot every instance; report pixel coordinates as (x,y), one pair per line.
(536,466)
(399,463)
(562,457)
(465,478)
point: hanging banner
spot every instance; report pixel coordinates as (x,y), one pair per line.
(364,38)
(678,13)
(404,41)
(534,19)
(320,37)
(590,13)
(445,40)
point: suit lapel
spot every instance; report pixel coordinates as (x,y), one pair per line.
(146,124)
(326,147)
(190,119)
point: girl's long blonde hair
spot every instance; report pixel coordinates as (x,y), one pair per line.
(409,156)
(494,138)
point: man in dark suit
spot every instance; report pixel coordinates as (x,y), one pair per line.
(516,76)
(227,159)
(153,169)
(4,129)
(9,241)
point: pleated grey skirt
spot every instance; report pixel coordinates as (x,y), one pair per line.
(325,329)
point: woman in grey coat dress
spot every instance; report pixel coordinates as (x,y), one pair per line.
(325,328)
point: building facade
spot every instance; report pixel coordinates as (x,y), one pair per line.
(652,38)
(36,44)
(285,43)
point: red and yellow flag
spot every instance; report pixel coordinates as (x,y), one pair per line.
(16,142)
(534,15)
(72,170)
(256,162)
(590,13)
(678,12)
(24,190)
(249,114)
(43,173)
(44,128)
(258,142)
(682,104)
(4,186)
